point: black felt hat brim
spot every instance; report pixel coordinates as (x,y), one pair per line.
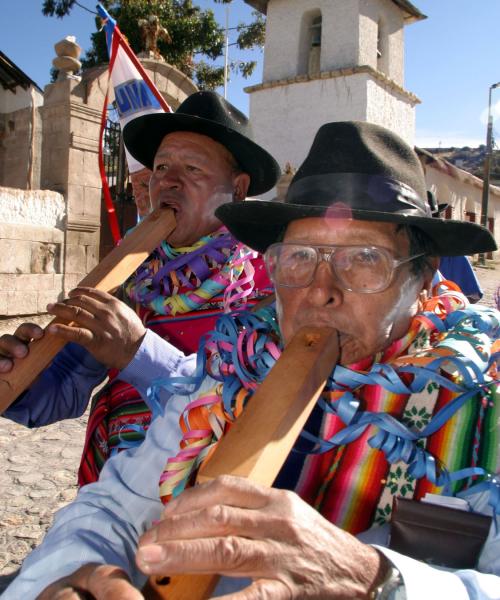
(144,135)
(258,224)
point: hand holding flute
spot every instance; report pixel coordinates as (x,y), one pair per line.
(106,327)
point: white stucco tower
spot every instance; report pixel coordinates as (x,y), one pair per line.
(330,60)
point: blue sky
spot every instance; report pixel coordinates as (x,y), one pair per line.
(451,59)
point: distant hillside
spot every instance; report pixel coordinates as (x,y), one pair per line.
(470,159)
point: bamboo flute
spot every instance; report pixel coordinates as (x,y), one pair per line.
(258,443)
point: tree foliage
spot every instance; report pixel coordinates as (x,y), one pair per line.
(196,35)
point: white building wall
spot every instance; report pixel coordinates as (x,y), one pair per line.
(281,54)
(349,36)
(449,190)
(341,39)
(383,13)
(368,33)
(21,98)
(396,45)
(495,213)
(285,118)
(464,196)
(390,110)
(290,105)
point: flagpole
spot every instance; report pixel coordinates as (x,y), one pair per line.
(226,52)
(120,52)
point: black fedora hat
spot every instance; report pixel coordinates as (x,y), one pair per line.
(209,114)
(361,171)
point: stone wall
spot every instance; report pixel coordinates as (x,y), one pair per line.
(31,248)
(20,148)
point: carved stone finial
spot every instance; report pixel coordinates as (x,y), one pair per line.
(66,62)
(151,32)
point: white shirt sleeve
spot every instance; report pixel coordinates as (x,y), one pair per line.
(157,359)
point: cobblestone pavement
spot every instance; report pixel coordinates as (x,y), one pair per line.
(38,473)
(36,479)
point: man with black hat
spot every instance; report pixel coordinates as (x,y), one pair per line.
(201,156)
(411,406)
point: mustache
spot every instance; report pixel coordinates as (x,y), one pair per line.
(171,200)
(324,320)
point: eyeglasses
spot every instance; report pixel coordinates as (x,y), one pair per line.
(363,269)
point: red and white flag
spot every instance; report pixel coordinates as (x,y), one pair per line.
(135,95)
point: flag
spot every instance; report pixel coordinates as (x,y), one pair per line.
(135,95)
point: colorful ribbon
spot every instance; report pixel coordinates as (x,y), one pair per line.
(243,348)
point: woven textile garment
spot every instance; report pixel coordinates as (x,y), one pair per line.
(422,415)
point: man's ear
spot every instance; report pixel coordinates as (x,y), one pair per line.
(433,262)
(241,183)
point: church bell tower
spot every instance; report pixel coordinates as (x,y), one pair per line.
(330,60)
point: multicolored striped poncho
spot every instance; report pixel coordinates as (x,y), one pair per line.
(422,416)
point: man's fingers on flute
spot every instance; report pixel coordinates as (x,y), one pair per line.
(108,582)
(72,311)
(228,555)
(93,582)
(262,588)
(107,311)
(226,489)
(5,365)
(27,332)
(71,594)
(100,295)
(70,333)
(213,521)
(12,347)
(16,346)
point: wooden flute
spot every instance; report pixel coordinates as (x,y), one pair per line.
(258,443)
(110,273)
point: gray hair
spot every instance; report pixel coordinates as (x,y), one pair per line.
(419,243)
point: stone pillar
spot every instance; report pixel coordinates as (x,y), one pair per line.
(70,166)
